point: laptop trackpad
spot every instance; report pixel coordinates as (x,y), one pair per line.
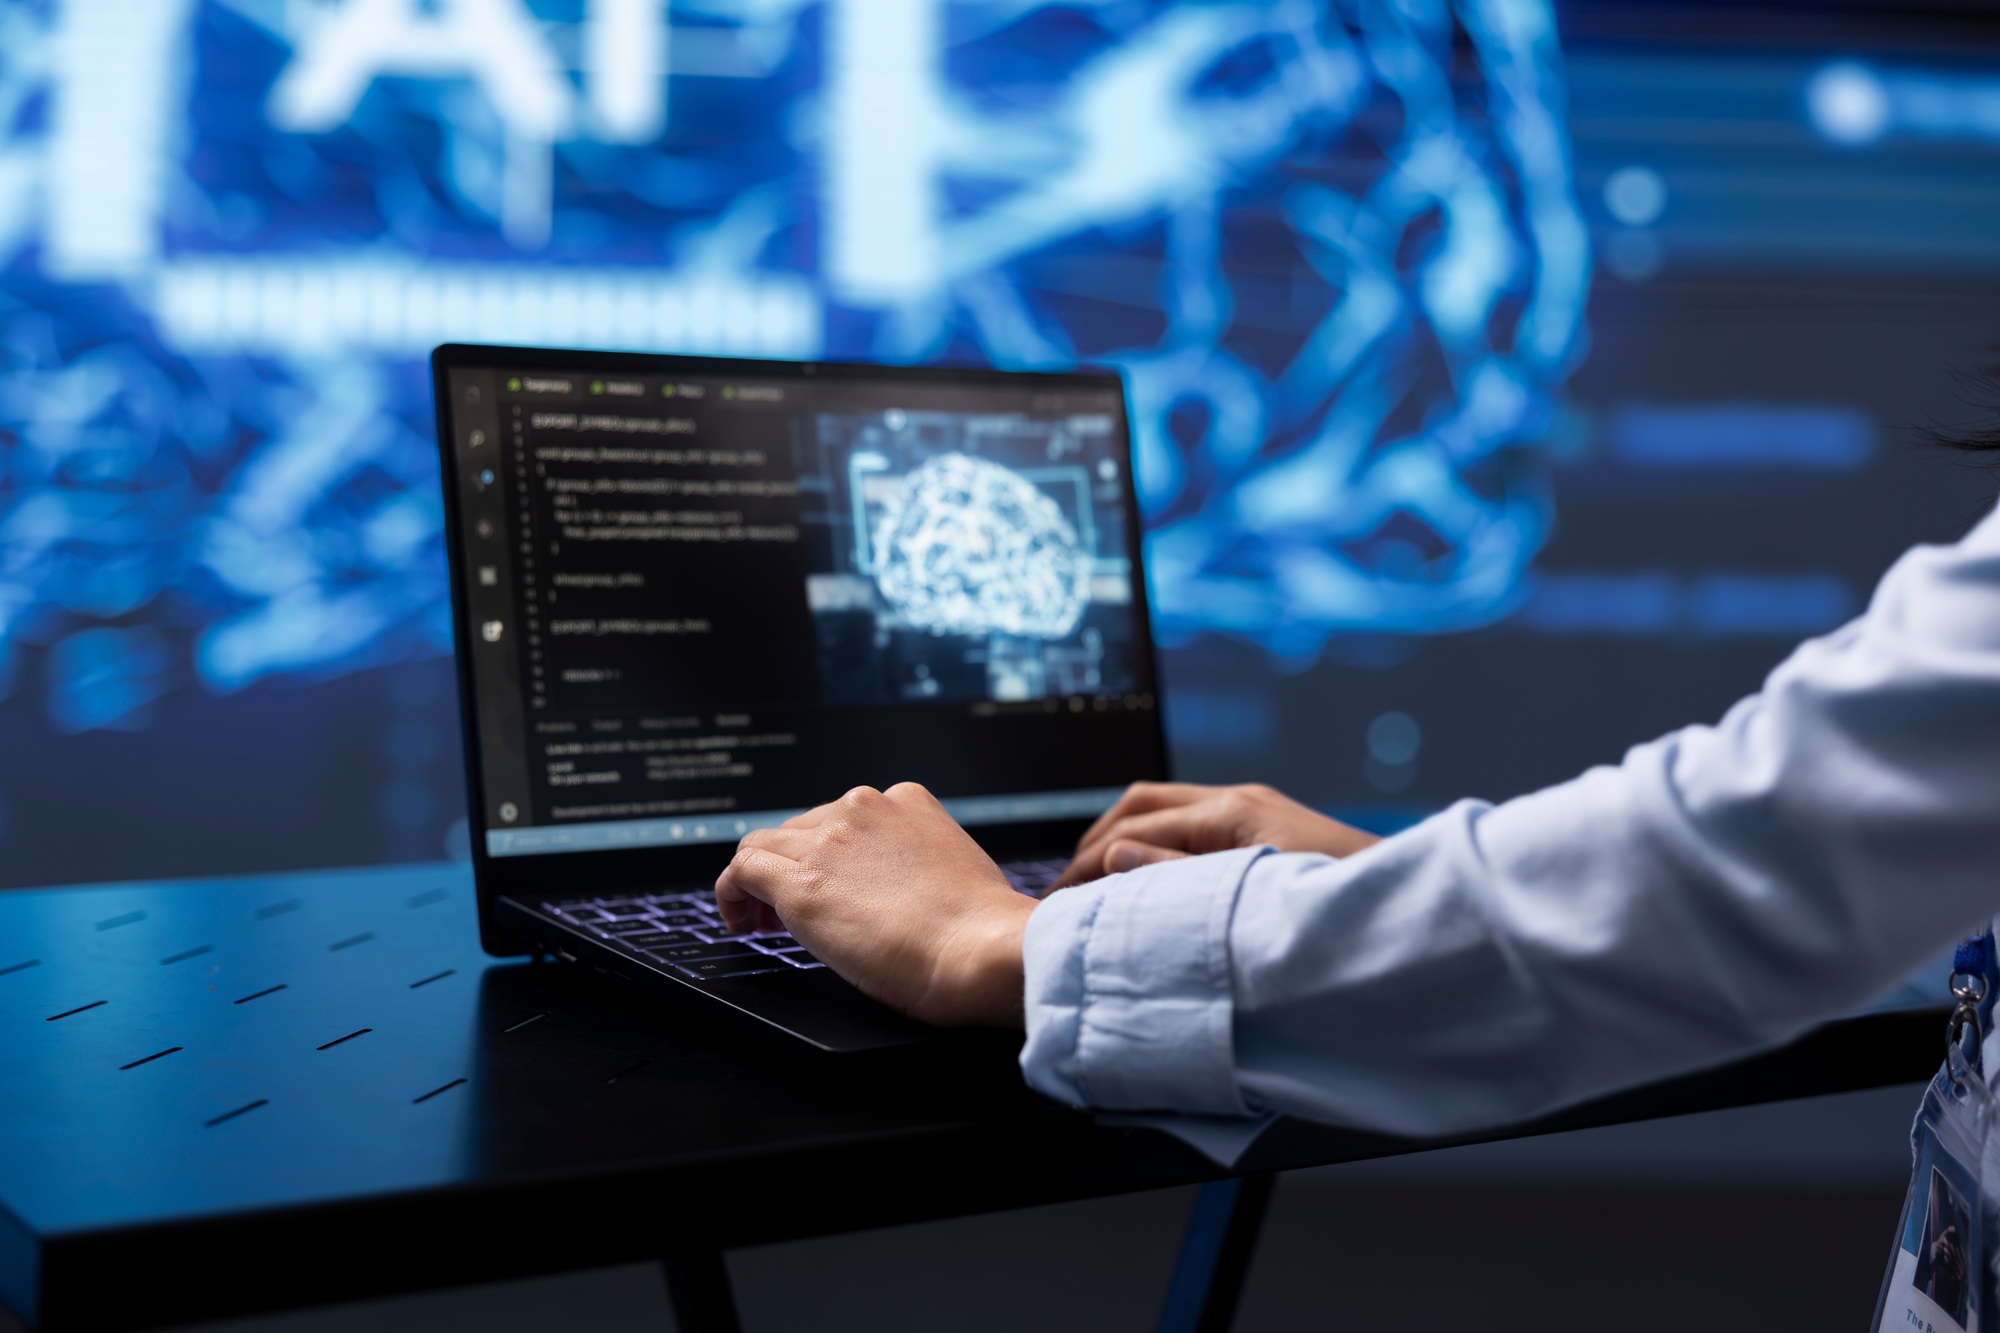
(818,1006)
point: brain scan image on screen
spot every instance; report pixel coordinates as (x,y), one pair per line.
(970,556)
(967,546)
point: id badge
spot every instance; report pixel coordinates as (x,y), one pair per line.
(1936,1280)
(1940,1278)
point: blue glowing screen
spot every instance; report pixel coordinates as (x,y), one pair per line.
(1351,256)
(1345,278)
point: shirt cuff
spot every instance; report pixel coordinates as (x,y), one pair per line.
(1129,1004)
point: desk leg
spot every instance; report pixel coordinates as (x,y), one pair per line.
(1215,1256)
(698,1288)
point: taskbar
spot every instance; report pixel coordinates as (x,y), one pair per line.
(612,835)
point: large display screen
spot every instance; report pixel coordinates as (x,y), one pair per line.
(1509,382)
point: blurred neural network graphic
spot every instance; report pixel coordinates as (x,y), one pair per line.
(1335,246)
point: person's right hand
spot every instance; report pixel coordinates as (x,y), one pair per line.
(1158,821)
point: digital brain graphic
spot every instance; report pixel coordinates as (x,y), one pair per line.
(970,547)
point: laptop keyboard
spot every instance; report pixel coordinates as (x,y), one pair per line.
(1031,877)
(682,929)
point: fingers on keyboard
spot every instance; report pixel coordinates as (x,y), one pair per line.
(685,931)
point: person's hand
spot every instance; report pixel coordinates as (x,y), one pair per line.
(1160,821)
(894,896)
(1947,1253)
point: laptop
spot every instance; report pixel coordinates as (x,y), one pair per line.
(694,597)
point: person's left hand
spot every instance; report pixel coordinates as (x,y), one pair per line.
(1164,821)
(894,896)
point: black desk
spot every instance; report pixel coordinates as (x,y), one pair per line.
(223,1097)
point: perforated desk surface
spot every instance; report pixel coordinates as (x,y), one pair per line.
(220,1097)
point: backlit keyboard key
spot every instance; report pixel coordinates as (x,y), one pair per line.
(631,925)
(717,949)
(710,968)
(660,939)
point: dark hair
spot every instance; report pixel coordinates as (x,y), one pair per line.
(1979,388)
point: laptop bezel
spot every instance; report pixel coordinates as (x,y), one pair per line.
(526,878)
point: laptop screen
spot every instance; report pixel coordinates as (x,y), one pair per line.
(698,597)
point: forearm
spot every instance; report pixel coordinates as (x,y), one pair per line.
(1425,987)
(1718,891)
